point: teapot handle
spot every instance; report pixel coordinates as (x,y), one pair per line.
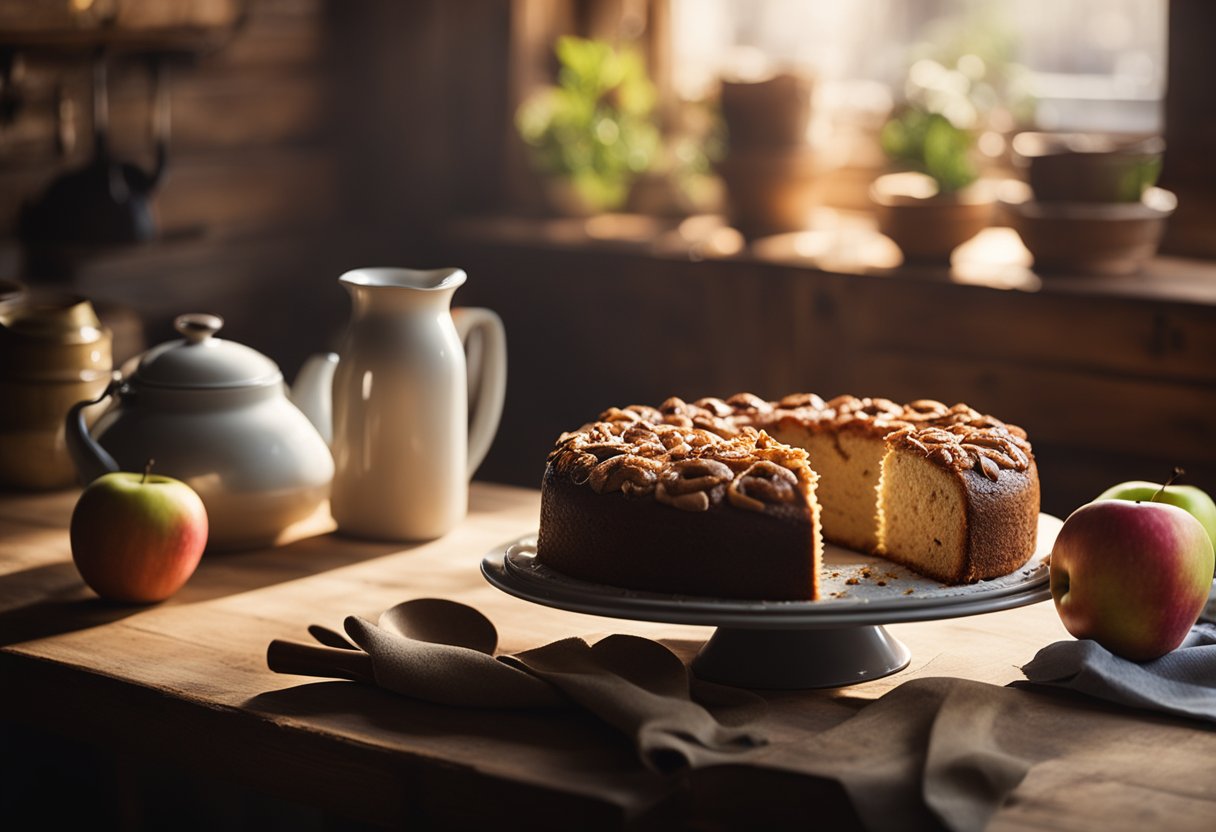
(485,342)
(91,460)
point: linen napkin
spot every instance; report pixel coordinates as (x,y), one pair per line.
(643,690)
(947,753)
(1182,682)
(635,685)
(930,754)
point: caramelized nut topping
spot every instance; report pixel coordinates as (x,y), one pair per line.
(763,484)
(632,474)
(692,455)
(987,448)
(693,484)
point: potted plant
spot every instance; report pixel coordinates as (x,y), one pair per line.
(938,202)
(594,133)
(770,169)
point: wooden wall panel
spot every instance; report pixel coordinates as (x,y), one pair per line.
(252,205)
(1078,372)
(257,191)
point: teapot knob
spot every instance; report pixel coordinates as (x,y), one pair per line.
(197,327)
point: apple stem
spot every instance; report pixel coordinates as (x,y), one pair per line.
(148,470)
(1178,472)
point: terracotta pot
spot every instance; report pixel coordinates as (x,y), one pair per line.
(773,113)
(927,225)
(1090,238)
(769,192)
(1081,167)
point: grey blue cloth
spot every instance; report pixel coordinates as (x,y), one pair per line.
(1182,682)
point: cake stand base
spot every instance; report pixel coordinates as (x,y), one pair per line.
(800,659)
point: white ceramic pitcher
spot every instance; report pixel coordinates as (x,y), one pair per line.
(404,446)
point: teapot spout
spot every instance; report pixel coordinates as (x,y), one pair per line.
(312,392)
(91,460)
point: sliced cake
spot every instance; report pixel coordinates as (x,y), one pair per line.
(949,492)
(634,502)
(959,503)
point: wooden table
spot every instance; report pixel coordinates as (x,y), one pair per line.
(187,680)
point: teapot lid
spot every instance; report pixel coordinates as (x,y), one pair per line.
(200,360)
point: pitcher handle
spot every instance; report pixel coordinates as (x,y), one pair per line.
(487,363)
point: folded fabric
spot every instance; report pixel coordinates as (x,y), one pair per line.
(1209,611)
(1182,682)
(447,674)
(642,689)
(939,753)
(442,652)
(933,753)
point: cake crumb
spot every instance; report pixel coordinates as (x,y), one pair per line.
(882,583)
(867,572)
(909,591)
(852,582)
(835,574)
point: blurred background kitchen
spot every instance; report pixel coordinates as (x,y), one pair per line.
(659,197)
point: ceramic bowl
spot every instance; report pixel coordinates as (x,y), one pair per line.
(927,225)
(1093,238)
(1087,167)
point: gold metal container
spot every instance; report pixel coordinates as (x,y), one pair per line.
(54,352)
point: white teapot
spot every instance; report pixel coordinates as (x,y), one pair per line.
(216,415)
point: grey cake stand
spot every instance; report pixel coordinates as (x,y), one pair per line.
(789,645)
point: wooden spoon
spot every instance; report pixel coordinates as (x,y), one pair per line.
(440,621)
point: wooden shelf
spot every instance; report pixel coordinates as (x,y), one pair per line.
(848,244)
(168,40)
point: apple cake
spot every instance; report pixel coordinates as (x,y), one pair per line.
(949,492)
(636,501)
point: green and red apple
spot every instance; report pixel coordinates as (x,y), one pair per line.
(1188,497)
(1132,576)
(137,537)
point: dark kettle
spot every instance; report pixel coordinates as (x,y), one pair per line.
(107,201)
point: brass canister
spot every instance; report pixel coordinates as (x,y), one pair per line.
(54,352)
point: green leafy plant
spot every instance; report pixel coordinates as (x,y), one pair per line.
(596,128)
(931,143)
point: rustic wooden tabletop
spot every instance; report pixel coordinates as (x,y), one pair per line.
(157,679)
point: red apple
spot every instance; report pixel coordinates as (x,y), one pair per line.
(137,537)
(1132,576)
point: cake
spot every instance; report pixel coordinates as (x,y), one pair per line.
(949,492)
(636,501)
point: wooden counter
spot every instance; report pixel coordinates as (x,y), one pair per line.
(187,681)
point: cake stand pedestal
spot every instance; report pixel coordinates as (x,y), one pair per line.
(789,645)
(827,657)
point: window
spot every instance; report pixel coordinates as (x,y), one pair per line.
(1084,64)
